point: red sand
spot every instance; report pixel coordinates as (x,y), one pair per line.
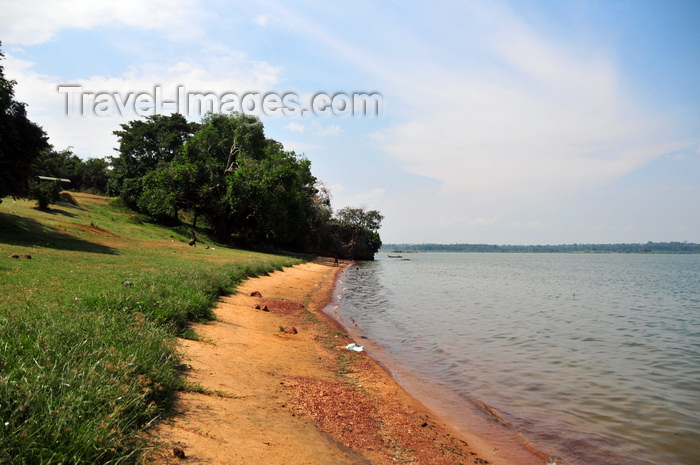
(275,396)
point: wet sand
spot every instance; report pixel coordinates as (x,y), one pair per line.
(271,381)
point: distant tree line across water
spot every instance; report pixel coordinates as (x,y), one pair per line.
(649,247)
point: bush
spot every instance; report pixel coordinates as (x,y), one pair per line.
(45,193)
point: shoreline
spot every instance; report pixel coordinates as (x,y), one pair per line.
(479,423)
(276,384)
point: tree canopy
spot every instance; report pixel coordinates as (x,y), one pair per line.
(226,174)
(360,218)
(360,226)
(84,175)
(143,146)
(21,140)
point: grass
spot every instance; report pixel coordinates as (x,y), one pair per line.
(199,389)
(87,363)
(344,358)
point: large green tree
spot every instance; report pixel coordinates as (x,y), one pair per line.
(251,187)
(143,146)
(359,228)
(172,188)
(272,198)
(21,140)
(215,152)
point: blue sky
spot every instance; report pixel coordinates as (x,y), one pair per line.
(507,122)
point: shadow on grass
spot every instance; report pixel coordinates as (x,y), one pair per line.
(58,211)
(18,230)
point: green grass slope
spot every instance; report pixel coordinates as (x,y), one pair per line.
(86,362)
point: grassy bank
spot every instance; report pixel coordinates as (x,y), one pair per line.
(88,325)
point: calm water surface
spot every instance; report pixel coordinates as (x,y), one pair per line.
(590,358)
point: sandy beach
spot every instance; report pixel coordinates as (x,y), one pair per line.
(271,381)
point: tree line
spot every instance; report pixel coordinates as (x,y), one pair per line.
(226,175)
(221,174)
(25,153)
(649,247)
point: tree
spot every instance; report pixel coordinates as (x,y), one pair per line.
(359,228)
(143,146)
(221,145)
(92,175)
(89,175)
(21,140)
(168,190)
(272,198)
(321,202)
(45,192)
(240,182)
(360,218)
(251,186)
(227,139)
(57,164)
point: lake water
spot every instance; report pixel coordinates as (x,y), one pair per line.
(591,358)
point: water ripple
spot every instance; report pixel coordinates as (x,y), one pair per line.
(595,358)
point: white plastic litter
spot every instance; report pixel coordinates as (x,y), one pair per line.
(354,347)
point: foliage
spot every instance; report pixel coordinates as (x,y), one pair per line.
(227,139)
(21,140)
(216,152)
(244,186)
(57,164)
(271,198)
(358,227)
(374,242)
(160,191)
(45,192)
(89,175)
(360,218)
(143,146)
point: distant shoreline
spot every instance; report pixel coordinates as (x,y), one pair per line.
(647,248)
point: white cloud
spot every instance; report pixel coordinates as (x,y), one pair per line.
(295,127)
(368,198)
(90,135)
(544,121)
(336,189)
(298,147)
(333,131)
(209,66)
(36,21)
(261,20)
(319,131)
(483,221)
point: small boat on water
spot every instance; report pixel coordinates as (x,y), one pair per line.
(394,256)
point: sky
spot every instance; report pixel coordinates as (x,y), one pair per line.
(499,122)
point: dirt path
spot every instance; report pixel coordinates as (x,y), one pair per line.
(263,395)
